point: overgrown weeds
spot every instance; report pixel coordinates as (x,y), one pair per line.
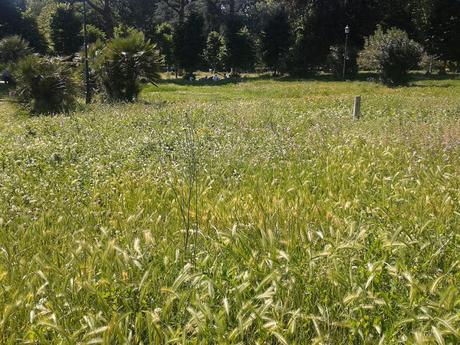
(235,214)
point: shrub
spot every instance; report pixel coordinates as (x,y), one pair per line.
(216,51)
(392,54)
(45,85)
(12,49)
(335,62)
(65,31)
(123,63)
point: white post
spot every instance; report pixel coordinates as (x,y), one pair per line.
(357,108)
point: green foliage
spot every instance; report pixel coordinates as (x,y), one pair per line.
(215,53)
(124,31)
(30,31)
(12,49)
(241,52)
(93,34)
(438,26)
(14,22)
(45,85)
(311,228)
(124,63)
(335,62)
(189,42)
(163,37)
(66,31)
(47,11)
(276,40)
(392,54)
(311,43)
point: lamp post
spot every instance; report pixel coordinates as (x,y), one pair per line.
(345,54)
(88,89)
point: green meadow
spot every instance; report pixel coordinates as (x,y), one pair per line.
(256,212)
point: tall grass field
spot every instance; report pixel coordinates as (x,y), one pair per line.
(256,212)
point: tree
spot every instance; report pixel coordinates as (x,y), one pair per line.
(66,31)
(104,9)
(137,13)
(14,22)
(216,51)
(178,7)
(395,14)
(335,62)
(307,52)
(30,31)
(392,54)
(189,42)
(10,18)
(439,23)
(163,36)
(240,46)
(314,34)
(276,40)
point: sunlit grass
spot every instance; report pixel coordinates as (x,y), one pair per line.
(305,226)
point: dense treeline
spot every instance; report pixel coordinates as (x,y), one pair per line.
(291,35)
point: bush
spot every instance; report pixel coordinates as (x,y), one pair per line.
(392,54)
(335,62)
(45,85)
(123,63)
(12,49)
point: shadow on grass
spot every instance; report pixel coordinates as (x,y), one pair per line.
(208,82)
(266,76)
(447,78)
(362,77)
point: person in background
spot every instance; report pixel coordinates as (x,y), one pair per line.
(6,77)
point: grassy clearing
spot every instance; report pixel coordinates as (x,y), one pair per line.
(244,213)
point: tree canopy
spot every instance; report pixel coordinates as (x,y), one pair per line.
(298,33)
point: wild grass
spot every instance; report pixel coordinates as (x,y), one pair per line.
(251,213)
